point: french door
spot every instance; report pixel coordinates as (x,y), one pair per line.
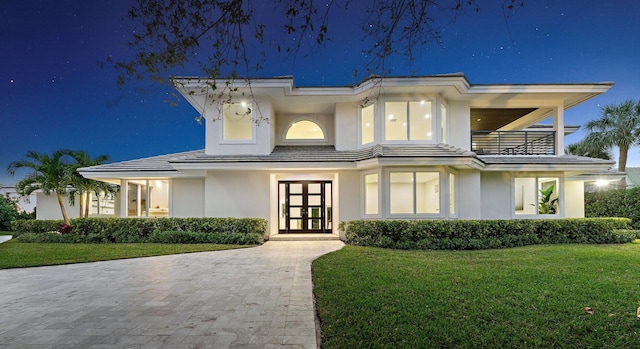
(305,206)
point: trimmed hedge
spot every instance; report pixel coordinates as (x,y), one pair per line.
(485,234)
(190,237)
(132,230)
(614,203)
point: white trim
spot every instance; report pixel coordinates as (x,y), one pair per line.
(387,193)
(363,197)
(383,102)
(537,176)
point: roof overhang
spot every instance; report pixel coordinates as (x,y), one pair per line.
(289,99)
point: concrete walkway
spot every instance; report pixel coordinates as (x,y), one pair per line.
(249,298)
(4,238)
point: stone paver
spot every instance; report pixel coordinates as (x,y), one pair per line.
(248,298)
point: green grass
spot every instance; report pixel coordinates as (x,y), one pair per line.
(530,297)
(14,254)
(6,233)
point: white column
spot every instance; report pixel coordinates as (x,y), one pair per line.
(558,126)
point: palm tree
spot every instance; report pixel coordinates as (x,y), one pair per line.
(49,174)
(582,148)
(86,186)
(618,126)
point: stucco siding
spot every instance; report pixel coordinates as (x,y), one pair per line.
(495,195)
(349,196)
(459,128)
(346,126)
(469,195)
(237,194)
(187,198)
(48,207)
(574,199)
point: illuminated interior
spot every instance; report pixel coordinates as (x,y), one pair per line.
(304,129)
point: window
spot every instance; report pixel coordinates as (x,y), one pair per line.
(536,195)
(366,125)
(452,194)
(371,194)
(237,122)
(148,198)
(408,121)
(304,129)
(443,124)
(414,192)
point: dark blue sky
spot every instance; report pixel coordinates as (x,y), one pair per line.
(55,91)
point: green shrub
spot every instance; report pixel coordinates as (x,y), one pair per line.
(51,237)
(614,203)
(484,234)
(189,237)
(134,230)
(34,226)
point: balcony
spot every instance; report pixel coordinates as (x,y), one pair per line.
(513,142)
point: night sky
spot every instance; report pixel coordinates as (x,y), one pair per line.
(57,90)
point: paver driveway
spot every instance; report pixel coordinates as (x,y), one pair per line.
(248,298)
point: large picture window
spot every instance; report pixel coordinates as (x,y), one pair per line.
(414,192)
(408,121)
(148,198)
(536,195)
(237,122)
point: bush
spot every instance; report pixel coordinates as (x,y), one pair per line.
(34,226)
(189,237)
(484,234)
(614,203)
(132,230)
(8,212)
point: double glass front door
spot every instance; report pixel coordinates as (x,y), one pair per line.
(305,206)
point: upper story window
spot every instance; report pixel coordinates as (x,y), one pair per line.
(366,125)
(443,124)
(237,122)
(304,129)
(408,121)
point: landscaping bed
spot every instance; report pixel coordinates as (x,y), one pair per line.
(485,234)
(243,231)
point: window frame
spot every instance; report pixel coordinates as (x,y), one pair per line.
(363,197)
(432,118)
(559,178)
(223,140)
(441,197)
(360,126)
(322,127)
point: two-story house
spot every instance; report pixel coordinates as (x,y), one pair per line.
(306,158)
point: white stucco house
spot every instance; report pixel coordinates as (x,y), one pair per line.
(306,158)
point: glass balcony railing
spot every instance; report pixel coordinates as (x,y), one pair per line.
(513,142)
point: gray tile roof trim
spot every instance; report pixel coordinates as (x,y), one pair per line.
(160,163)
(329,154)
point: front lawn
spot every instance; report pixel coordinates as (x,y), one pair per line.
(529,297)
(6,233)
(14,254)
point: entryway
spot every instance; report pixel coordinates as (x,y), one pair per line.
(305,207)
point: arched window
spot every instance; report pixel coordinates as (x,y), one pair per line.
(304,129)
